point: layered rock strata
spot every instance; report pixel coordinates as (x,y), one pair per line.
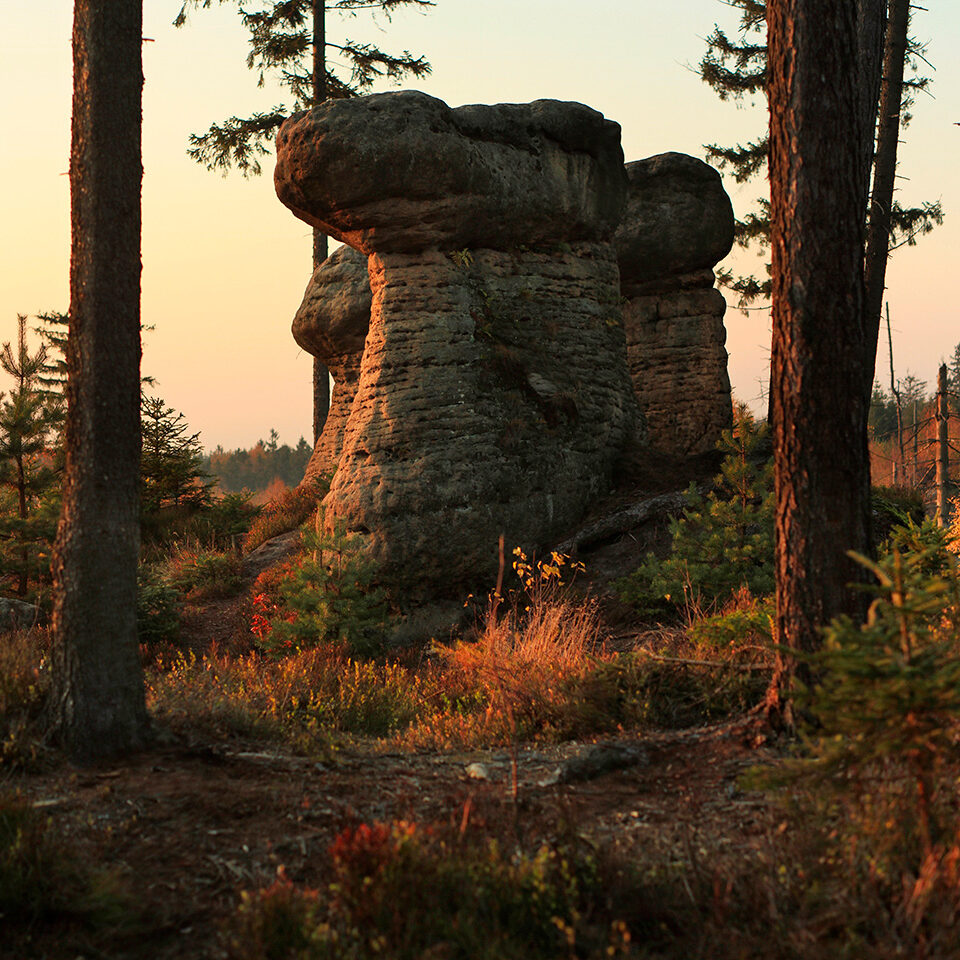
(493,394)
(677,225)
(332,324)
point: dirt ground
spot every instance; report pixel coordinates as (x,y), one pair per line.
(190,825)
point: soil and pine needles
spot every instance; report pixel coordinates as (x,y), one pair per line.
(553,781)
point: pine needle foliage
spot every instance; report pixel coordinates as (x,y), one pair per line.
(734,66)
(723,541)
(281,43)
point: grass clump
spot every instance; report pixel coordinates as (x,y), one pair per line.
(291,509)
(203,574)
(24,684)
(403,891)
(41,882)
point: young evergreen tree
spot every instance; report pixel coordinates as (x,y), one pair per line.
(171,461)
(28,419)
(288,40)
(735,67)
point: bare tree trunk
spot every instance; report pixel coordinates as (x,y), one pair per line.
(97,705)
(818,193)
(899,465)
(943,447)
(884,174)
(321,376)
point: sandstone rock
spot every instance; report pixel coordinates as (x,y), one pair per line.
(17,613)
(678,219)
(678,224)
(493,394)
(331,324)
(401,172)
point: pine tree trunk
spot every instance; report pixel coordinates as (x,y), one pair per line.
(321,377)
(884,174)
(818,193)
(97,704)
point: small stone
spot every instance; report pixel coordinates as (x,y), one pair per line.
(477,771)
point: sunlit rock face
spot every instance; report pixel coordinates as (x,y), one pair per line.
(331,325)
(493,393)
(677,225)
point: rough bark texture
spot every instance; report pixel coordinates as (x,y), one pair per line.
(493,394)
(819,338)
(677,225)
(884,176)
(98,700)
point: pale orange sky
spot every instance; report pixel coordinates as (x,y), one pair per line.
(225,264)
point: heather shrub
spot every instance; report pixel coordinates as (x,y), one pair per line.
(203,574)
(284,514)
(401,891)
(24,682)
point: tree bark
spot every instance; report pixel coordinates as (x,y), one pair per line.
(818,193)
(97,705)
(884,175)
(321,376)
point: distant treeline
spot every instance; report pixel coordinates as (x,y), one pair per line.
(257,468)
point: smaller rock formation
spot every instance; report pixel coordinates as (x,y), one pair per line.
(677,225)
(332,324)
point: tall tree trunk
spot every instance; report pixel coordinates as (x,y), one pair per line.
(884,175)
(97,706)
(321,377)
(818,193)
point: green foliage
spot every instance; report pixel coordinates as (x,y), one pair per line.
(887,697)
(893,507)
(735,67)
(28,421)
(401,892)
(281,44)
(158,611)
(170,461)
(746,622)
(723,541)
(330,599)
(202,574)
(260,466)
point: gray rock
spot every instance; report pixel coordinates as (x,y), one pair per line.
(331,324)
(16,613)
(599,760)
(678,223)
(401,172)
(678,220)
(493,395)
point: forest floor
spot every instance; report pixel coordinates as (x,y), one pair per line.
(189,825)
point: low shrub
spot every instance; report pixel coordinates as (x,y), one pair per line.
(203,574)
(401,891)
(330,597)
(284,514)
(24,684)
(158,611)
(722,542)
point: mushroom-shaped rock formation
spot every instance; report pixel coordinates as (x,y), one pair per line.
(677,225)
(493,395)
(332,324)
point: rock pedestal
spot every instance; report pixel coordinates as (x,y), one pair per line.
(332,324)
(677,225)
(493,394)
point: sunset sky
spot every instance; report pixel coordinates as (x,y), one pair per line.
(225,264)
